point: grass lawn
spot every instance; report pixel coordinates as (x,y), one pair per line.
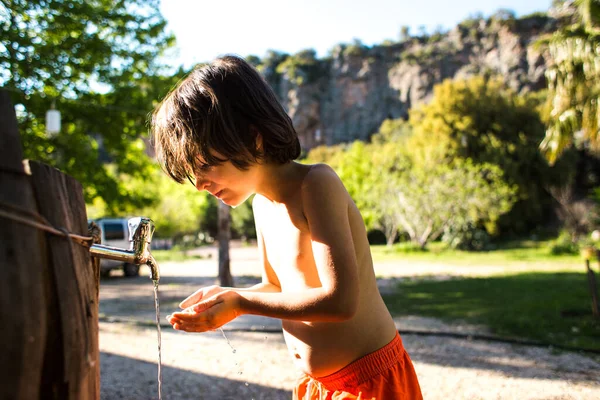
(554,308)
(511,252)
(535,295)
(174,256)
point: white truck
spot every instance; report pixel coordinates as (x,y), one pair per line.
(115,233)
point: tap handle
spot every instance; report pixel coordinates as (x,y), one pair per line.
(141,230)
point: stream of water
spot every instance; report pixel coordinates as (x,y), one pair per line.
(157,307)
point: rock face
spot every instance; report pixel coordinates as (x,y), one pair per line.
(356,87)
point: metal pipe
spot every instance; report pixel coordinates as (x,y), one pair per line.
(140,236)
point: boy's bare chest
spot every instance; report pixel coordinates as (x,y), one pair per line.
(288,247)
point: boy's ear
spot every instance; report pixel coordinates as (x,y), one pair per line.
(258,140)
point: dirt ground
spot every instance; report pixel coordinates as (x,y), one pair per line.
(204,366)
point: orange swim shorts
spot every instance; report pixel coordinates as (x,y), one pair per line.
(386,374)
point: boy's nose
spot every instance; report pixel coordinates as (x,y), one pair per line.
(201,184)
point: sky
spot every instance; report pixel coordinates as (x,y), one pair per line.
(205,29)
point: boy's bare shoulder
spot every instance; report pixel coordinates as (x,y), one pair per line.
(321,179)
(258,203)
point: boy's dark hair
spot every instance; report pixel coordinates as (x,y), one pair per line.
(222,106)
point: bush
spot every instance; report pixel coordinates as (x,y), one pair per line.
(564,244)
(409,247)
(467,238)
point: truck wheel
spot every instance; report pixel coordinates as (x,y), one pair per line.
(131,269)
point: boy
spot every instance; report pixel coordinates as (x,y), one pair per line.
(223,127)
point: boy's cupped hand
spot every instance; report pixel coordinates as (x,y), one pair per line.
(213,307)
(200,294)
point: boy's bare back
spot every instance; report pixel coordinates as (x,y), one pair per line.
(292,257)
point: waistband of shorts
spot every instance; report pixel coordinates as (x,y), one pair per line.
(366,367)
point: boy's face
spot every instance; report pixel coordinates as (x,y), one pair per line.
(226,182)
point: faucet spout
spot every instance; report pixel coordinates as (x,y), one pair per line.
(154,270)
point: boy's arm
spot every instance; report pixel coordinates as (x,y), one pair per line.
(325,202)
(270,282)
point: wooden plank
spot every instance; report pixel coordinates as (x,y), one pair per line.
(60,200)
(22,262)
(88,278)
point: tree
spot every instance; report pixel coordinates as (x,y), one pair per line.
(98,62)
(361,166)
(242,220)
(574,83)
(425,201)
(224,236)
(483,120)
(404,33)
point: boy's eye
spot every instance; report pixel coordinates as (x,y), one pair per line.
(203,166)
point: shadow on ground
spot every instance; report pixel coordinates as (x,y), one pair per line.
(131,379)
(513,361)
(132,297)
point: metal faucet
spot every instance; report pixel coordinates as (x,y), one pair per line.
(140,236)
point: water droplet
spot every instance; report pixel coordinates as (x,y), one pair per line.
(233,351)
(246,383)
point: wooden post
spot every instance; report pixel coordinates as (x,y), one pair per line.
(593,289)
(22,262)
(48,285)
(224,236)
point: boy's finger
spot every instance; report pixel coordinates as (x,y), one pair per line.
(205,305)
(185,316)
(192,299)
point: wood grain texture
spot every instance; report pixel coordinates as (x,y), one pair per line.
(71,283)
(49,285)
(22,264)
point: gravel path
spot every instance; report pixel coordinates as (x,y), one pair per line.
(203,366)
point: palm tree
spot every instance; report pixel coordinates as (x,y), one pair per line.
(574,83)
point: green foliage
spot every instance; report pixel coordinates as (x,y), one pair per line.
(355,167)
(536,14)
(53,52)
(177,210)
(564,244)
(392,131)
(242,220)
(482,120)
(472,22)
(503,15)
(301,68)
(574,83)
(467,237)
(355,49)
(507,256)
(392,192)
(427,200)
(404,33)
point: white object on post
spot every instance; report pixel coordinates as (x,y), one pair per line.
(52,121)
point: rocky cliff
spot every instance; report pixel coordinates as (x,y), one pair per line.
(347,95)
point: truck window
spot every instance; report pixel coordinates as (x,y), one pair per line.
(114,231)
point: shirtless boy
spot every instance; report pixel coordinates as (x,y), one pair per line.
(223,128)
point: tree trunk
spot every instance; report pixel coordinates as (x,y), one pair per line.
(224,235)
